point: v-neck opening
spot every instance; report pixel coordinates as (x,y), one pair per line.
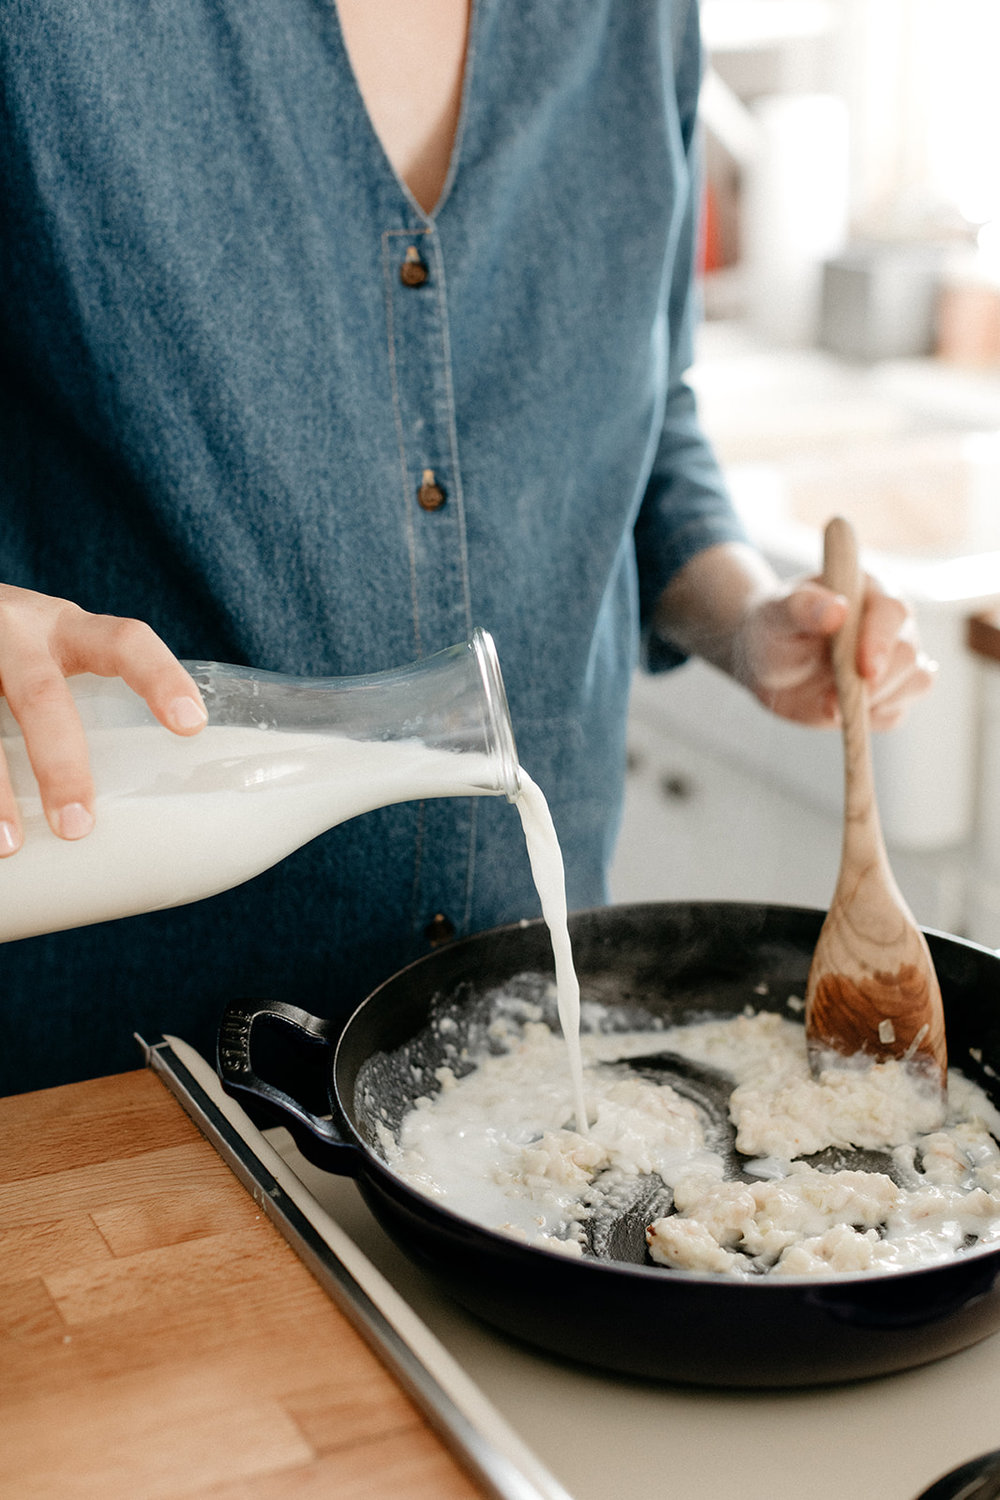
(428,217)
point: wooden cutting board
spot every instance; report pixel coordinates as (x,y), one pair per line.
(158,1337)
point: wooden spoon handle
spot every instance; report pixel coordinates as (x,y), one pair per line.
(842,572)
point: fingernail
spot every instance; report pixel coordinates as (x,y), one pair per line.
(813,613)
(187,713)
(74,821)
(10,839)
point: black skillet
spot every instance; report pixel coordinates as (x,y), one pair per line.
(979,1479)
(676,961)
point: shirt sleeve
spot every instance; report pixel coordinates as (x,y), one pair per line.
(686,507)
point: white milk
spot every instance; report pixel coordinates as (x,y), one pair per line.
(178,819)
(550,882)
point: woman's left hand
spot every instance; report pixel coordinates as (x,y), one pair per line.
(728,605)
(785,660)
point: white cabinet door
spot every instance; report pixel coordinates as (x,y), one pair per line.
(700,827)
(696,828)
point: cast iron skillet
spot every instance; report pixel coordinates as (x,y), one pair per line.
(979,1479)
(679,961)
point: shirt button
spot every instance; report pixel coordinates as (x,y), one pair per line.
(413,271)
(439,930)
(430,494)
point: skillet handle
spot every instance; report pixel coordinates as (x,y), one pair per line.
(316,1135)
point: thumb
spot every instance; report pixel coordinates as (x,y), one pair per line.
(812,609)
(787,639)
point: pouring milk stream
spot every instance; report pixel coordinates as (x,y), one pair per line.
(281,760)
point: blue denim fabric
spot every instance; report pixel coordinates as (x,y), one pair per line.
(219,398)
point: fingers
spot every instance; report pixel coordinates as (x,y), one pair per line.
(885,622)
(787,641)
(901,686)
(11,831)
(812,704)
(130,649)
(890,658)
(788,659)
(40,700)
(44,640)
(814,609)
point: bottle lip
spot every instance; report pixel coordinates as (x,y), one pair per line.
(502,745)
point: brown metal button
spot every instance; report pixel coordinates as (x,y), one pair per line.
(430,494)
(414,270)
(439,930)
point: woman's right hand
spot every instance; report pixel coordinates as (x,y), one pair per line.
(43,641)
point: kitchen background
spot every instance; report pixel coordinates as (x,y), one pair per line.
(849,363)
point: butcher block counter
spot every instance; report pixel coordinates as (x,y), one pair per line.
(159,1338)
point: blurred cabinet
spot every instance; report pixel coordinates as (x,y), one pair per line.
(700,825)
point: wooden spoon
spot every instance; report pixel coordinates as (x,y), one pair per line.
(872,988)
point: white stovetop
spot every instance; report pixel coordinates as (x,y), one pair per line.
(605,1437)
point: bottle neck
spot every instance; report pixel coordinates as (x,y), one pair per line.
(453,700)
(500,732)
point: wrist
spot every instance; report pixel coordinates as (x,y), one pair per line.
(705,608)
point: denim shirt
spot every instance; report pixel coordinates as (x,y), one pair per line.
(233,350)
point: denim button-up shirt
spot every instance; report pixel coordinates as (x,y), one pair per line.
(239,361)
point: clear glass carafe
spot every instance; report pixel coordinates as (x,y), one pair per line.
(281,760)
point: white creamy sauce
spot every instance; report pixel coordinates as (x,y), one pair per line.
(496,1144)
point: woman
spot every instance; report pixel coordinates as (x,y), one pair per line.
(328,333)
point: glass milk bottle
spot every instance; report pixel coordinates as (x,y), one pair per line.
(281,760)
